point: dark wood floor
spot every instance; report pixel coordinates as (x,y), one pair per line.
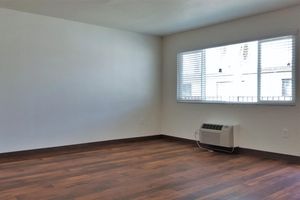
(155,169)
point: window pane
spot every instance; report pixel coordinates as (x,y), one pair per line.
(190,88)
(276,69)
(231,73)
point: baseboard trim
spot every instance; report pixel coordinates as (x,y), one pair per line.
(178,139)
(245,151)
(270,155)
(53,151)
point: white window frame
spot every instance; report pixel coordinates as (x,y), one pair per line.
(259,101)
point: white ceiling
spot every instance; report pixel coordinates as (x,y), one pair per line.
(157,17)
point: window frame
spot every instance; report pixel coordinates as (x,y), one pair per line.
(259,101)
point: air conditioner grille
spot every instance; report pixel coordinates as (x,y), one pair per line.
(212,126)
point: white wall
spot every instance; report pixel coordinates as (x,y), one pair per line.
(261,126)
(64,82)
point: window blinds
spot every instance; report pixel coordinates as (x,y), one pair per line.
(261,71)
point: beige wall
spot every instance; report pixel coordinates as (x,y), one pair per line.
(261,126)
(65,82)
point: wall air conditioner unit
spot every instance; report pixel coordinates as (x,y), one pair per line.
(219,135)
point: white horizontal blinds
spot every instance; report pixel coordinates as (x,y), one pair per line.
(277,68)
(231,73)
(189,83)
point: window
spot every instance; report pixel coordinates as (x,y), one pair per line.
(258,72)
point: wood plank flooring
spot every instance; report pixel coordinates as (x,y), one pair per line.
(154,169)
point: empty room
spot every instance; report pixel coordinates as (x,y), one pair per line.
(149,99)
